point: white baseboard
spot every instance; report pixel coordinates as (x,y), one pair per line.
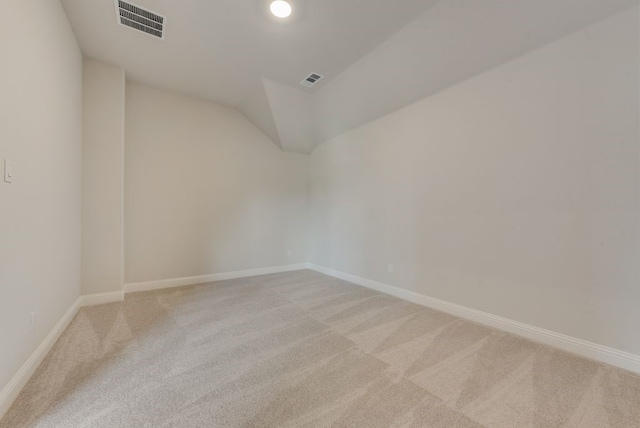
(101,298)
(201,279)
(20,379)
(574,345)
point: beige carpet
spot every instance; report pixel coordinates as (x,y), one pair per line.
(303,349)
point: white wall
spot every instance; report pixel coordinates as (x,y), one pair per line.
(257,109)
(293,115)
(205,191)
(514,193)
(40,131)
(102,178)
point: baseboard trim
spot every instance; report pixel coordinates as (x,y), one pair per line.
(10,392)
(594,351)
(101,298)
(192,280)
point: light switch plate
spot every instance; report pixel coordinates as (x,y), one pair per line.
(8,171)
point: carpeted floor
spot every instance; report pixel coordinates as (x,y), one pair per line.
(302,349)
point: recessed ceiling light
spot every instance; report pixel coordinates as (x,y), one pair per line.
(280,8)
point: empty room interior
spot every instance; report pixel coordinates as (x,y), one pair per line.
(320,213)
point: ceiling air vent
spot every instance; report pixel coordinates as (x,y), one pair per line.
(311,80)
(135,17)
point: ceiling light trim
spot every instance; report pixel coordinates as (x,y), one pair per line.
(280,9)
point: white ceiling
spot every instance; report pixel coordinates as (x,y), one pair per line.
(453,41)
(219,49)
(376,55)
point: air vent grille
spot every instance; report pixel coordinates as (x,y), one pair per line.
(311,80)
(135,17)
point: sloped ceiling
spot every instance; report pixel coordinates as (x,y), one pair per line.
(376,55)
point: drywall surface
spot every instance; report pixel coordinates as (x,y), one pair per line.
(102,178)
(40,132)
(292,113)
(449,43)
(257,109)
(514,193)
(206,191)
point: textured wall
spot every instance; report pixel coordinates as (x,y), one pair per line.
(515,192)
(102,178)
(206,191)
(40,131)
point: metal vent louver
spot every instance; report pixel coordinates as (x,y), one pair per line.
(311,80)
(135,17)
